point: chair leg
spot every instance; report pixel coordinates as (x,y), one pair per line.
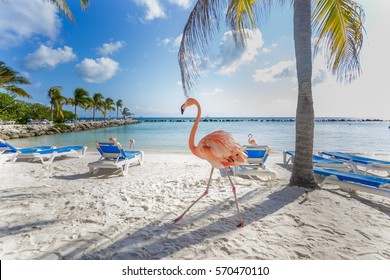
(125,169)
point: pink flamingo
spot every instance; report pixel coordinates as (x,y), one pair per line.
(252,141)
(220,149)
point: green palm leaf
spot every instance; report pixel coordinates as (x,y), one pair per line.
(339,27)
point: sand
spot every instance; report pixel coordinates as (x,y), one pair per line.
(60,211)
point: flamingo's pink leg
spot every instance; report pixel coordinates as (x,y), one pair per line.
(203,195)
(241,221)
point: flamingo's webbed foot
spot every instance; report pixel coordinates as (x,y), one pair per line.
(175,221)
(240,224)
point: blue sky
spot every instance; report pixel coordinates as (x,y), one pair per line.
(127,49)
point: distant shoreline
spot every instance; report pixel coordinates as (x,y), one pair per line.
(30,130)
(248,119)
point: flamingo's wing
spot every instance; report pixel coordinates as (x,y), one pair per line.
(222,147)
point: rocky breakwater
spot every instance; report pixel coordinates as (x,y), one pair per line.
(24,131)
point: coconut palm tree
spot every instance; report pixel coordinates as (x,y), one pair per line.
(119,104)
(80,99)
(97,103)
(56,101)
(338,26)
(10,81)
(126,112)
(108,105)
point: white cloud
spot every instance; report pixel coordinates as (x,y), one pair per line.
(110,48)
(283,69)
(97,71)
(153,9)
(287,70)
(213,92)
(23,19)
(45,57)
(232,57)
(185,4)
(172,44)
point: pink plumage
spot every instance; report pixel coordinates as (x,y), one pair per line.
(220,149)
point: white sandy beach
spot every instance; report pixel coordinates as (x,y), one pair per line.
(59,211)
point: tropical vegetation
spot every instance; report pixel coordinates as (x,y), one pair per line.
(108,105)
(338,30)
(126,112)
(97,103)
(56,102)
(80,99)
(12,109)
(119,105)
(10,81)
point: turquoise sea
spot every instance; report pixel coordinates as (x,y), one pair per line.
(171,134)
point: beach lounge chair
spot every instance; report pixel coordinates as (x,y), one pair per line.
(47,156)
(255,166)
(356,161)
(114,157)
(6,147)
(355,182)
(318,161)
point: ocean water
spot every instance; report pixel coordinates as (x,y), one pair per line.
(172,136)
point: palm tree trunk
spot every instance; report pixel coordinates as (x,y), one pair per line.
(51,112)
(302,173)
(75,112)
(94,109)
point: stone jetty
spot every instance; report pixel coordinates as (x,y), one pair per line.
(31,130)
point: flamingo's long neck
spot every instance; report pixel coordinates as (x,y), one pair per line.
(191,141)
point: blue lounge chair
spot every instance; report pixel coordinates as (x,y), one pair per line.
(355,182)
(356,161)
(114,157)
(255,166)
(47,156)
(6,147)
(318,161)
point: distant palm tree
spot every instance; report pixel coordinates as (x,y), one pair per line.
(10,79)
(119,104)
(65,10)
(338,25)
(56,101)
(108,105)
(80,99)
(97,103)
(126,112)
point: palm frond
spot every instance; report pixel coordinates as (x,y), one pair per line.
(17,90)
(339,27)
(242,14)
(65,10)
(201,26)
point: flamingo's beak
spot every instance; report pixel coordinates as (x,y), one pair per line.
(183,107)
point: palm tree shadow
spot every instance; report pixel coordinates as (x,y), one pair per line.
(288,167)
(160,240)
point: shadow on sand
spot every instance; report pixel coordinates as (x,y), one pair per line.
(162,239)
